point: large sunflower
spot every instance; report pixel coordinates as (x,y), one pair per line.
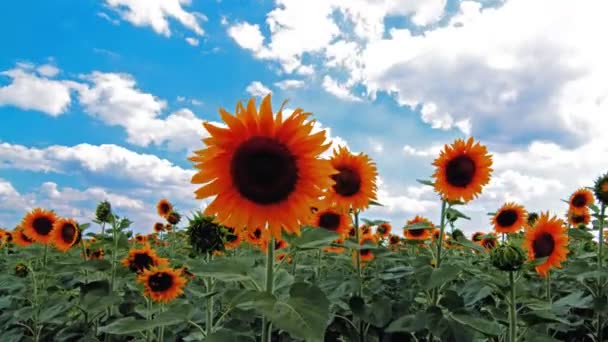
(419,234)
(463,168)
(143,258)
(65,234)
(263,170)
(580,200)
(384,230)
(21,239)
(548,238)
(355,182)
(332,219)
(38,224)
(366,253)
(510,218)
(577,219)
(162,284)
(164,208)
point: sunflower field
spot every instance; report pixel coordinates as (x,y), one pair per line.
(285,252)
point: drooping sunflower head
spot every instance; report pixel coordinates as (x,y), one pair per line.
(335,247)
(21,270)
(95,254)
(103,212)
(477,236)
(547,239)
(462,169)
(159,227)
(366,253)
(600,189)
(205,234)
(532,218)
(263,170)
(580,218)
(394,240)
(162,284)
(20,238)
(143,258)
(38,224)
(418,228)
(510,218)
(580,200)
(384,230)
(333,219)
(233,237)
(489,241)
(164,207)
(65,234)
(173,217)
(355,179)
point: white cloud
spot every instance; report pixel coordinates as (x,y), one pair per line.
(192,41)
(431,151)
(248,36)
(290,84)
(115,99)
(156,14)
(31,89)
(340,91)
(256,88)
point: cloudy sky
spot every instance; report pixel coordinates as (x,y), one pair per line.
(104,99)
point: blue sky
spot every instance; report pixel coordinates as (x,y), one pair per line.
(105,99)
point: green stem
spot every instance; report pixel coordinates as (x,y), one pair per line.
(359,277)
(600,241)
(512,311)
(44,258)
(319,266)
(267,325)
(439,247)
(161,333)
(293,263)
(36,312)
(549,288)
(148,303)
(103,229)
(209,285)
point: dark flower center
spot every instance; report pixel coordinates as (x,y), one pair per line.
(477,236)
(460,171)
(329,221)
(230,237)
(160,282)
(42,225)
(394,239)
(25,237)
(416,232)
(158,227)
(140,262)
(257,233)
(97,254)
(9,237)
(352,232)
(164,207)
(366,252)
(543,245)
(506,218)
(264,171)
(579,201)
(577,219)
(348,181)
(68,232)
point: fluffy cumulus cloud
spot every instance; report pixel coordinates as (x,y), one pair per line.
(157,13)
(256,88)
(33,88)
(133,181)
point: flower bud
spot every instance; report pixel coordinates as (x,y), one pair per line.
(507,257)
(103,212)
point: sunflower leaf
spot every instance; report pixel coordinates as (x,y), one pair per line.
(425,182)
(311,238)
(482,325)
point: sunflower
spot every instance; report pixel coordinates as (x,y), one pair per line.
(580,200)
(21,239)
(143,258)
(463,168)
(351,231)
(332,219)
(489,241)
(96,254)
(477,236)
(173,217)
(263,170)
(355,182)
(601,189)
(365,229)
(162,284)
(285,256)
(185,272)
(547,239)
(64,234)
(233,237)
(38,225)
(164,207)
(421,233)
(394,240)
(366,253)
(532,218)
(6,236)
(159,227)
(510,218)
(335,249)
(384,230)
(278,245)
(256,236)
(577,219)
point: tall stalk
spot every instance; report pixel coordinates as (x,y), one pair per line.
(549,288)
(600,241)
(439,247)
(267,325)
(209,285)
(359,277)
(512,310)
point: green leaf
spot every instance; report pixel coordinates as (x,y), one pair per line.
(380,312)
(233,269)
(96,265)
(311,238)
(579,234)
(420,225)
(408,323)
(467,243)
(129,325)
(375,203)
(482,325)
(425,182)
(455,213)
(451,300)
(225,335)
(442,275)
